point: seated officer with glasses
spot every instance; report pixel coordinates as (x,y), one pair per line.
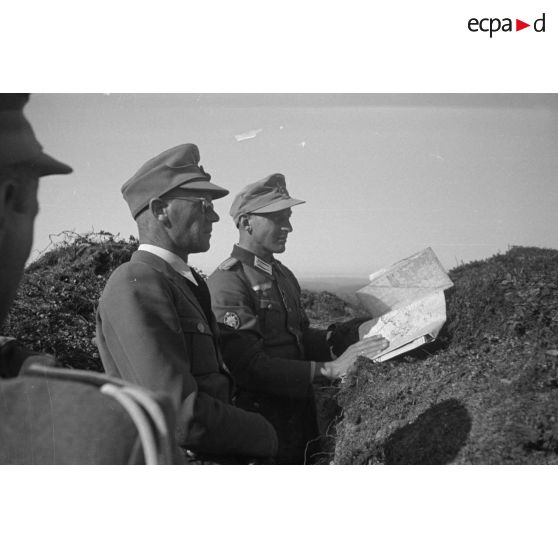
(155,326)
(267,342)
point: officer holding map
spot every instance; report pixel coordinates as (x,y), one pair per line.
(267,341)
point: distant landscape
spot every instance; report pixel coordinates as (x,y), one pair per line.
(344,287)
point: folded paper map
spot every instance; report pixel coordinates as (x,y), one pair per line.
(408,303)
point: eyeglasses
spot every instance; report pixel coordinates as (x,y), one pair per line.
(207,205)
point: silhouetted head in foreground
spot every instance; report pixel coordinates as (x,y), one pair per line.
(22,163)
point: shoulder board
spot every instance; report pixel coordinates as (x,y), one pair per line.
(227,264)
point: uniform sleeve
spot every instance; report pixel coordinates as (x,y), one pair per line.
(243,347)
(314,340)
(140,339)
(315,344)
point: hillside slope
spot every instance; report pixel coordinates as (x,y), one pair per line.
(487,394)
(54,310)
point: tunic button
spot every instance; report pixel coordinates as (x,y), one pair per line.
(201,329)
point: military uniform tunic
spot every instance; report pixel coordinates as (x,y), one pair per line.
(153,331)
(269,347)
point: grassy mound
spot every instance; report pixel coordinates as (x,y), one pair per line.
(54,311)
(488,393)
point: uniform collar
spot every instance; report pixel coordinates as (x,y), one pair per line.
(176,262)
(249,258)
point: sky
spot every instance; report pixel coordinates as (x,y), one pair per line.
(383,176)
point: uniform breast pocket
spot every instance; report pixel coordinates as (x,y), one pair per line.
(272,317)
(200,347)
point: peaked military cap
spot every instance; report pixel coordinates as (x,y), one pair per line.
(18,144)
(177,167)
(264,196)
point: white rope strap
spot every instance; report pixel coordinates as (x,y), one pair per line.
(153,409)
(139,419)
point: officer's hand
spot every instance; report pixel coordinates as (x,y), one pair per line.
(368,347)
(344,334)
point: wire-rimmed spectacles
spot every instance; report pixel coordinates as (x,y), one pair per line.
(207,205)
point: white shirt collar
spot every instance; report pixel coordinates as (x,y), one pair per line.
(176,262)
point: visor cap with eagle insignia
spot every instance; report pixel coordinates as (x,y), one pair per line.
(178,167)
(264,196)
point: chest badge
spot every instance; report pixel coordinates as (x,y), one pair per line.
(231,319)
